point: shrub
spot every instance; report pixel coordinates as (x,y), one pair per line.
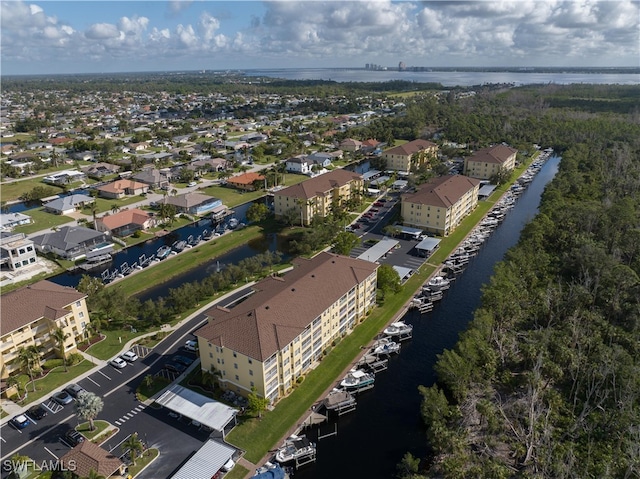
(52,363)
(74,358)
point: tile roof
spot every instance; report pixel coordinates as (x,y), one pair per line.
(122,185)
(409,148)
(320,184)
(495,154)
(87,456)
(444,191)
(43,299)
(125,217)
(246,178)
(283,307)
(187,200)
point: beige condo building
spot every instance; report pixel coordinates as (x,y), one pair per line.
(487,162)
(278,333)
(412,154)
(439,205)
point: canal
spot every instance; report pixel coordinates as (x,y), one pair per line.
(386,424)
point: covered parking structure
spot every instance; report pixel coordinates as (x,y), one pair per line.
(407,232)
(485,191)
(427,246)
(378,250)
(206,462)
(200,409)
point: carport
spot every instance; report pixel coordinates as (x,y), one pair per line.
(378,250)
(407,231)
(198,408)
(485,191)
(427,246)
(404,273)
(206,462)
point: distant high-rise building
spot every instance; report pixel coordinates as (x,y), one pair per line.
(402,67)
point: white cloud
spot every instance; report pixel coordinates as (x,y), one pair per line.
(102,31)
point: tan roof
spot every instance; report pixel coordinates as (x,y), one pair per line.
(283,307)
(444,191)
(43,299)
(121,185)
(410,148)
(87,456)
(246,178)
(126,217)
(495,154)
(319,185)
(187,200)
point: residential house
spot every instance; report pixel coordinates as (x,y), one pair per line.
(64,177)
(317,196)
(276,335)
(193,203)
(439,205)
(121,188)
(299,164)
(409,155)
(324,159)
(87,456)
(126,222)
(70,242)
(8,221)
(16,250)
(100,170)
(487,162)
(208,165)
(68,204)
(245,181)
(351,145)
(153,177)
(30,314)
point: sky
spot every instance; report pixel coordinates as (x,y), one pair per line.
(62,37)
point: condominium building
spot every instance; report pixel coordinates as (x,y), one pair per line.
(29,315)
(487,162)
(316,196)
(277,334)
(412,154)
(441,204)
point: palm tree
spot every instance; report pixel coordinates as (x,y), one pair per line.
(59,336)
(148,380)
(134,445)
(89,405)
(30,357)
(93,474)
(13,382)
(115,208)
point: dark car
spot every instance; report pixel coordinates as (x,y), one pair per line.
(37,412)
(75,390)
(62,398)
(185,361)
(73,437)
(175,367)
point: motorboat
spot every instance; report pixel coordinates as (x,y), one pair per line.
(398,328)
(385,347)
(339,399)
(179,246)
(294,448)
(357,379)
(437,283)
(163,252)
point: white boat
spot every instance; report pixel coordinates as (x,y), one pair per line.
(385,347)
(339,399)
(437,283)
(398,329)
(357,379)
(295,447)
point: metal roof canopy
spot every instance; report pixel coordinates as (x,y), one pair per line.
(197,407)
(428,244)
(403,272)
(208,460)
(378,250)
(486,190)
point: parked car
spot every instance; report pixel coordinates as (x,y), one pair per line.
(228,465)
(118,363)
(62,397)
(191,345)
(73,437)
(129,356)
(378,204)
(192,183)
(20,421)
(185,361)
(175,367)
(37,412)
(75,390)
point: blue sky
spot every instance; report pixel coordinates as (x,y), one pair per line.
(40,37)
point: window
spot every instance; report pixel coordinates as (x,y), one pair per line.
(235,365)
(211,356)
(81,314)
(237,378)
(235,355)
(78,304)
(250,372)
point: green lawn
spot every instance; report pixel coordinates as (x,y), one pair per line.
(147,458)
(52,381)
(42,220)
(100,427)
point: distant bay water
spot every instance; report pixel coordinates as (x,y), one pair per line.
(451,78)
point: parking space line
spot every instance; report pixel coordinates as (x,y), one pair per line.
(2,439)
(47,449)
(31,419)
(92,381)
(104,375)
(118,371)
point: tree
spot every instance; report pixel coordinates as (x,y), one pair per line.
(115,208)
(388,281)
(60,337)
(148,380)
(344,242)
(30,358)
(93,474)
(257,404)
(88,406)
(257,212)
(134,445)
(14,382)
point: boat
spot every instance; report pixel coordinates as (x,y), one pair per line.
(358,379)
(338,400)
(96,261)
(270,471)
(179,246)
(438,283)
(385,347)
(398,329)
(163,252)
(294,449)
(233,223)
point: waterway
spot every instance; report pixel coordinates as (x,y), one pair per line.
(386,424)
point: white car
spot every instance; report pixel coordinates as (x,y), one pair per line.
(191,345)
(228,465)
(118,363)
(129,356)
(192,183)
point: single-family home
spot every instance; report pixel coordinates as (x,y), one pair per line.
(246,181)
(126,222)
(487,162)
(121,188)
(439,205)
(193,203)
(278,334)
(64,177)
(299,164)
(349,144)
(8,221)
(68,204)
(70,242)
(100,170)
(409,155)
(153,177)
(16,250)
(317,196)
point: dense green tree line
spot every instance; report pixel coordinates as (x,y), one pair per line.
(545,382)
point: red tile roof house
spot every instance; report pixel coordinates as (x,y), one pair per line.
(122,188)
(125,223)
(87,456)
(246,181)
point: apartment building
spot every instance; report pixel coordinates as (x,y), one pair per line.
(441,204)
(412,154)
(16,250)
(275,336)
(487,162)
(30,314)
(317,195)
